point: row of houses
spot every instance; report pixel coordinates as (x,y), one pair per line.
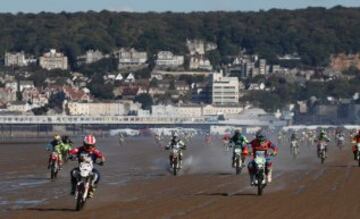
(127,57)
(49,60)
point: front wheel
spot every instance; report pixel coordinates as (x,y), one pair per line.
(260,186)
(54,171)
(238,166)
(175,166)
(80,202)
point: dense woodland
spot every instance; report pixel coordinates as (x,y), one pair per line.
(313,33)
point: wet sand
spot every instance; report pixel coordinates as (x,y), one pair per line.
(136,183)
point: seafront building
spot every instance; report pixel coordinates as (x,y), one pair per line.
(194,110)
(122,108)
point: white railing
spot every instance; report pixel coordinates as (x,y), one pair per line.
(98,120)
(123,120)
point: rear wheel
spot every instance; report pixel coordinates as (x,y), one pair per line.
(322,157)
(175,165)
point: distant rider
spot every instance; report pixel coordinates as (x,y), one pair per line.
(293,140)
(340,137)
(355,141)
(88,149)
(323,138)
(239,141)
(226,141)
(66,146)
(57,146)
(260,143)
(174,142)
(293,137)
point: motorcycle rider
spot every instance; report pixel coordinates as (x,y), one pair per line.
(173,142)
(293,137)
(239,141)
(322,138)
(339,136)
(88,149)
(208,138)
(260,143)
(355,141)
(66,146)
(293,140)
(57,146)
(226,140)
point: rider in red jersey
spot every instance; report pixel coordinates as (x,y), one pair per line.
(260,143)
(88,149)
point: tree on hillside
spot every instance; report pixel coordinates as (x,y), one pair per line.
(145,100)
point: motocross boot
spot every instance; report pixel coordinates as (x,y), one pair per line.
(180,164)
(92,191)
(252,180)
(269,176)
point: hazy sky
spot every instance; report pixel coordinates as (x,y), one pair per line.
(163,5)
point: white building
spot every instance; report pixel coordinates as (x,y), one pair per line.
(131,57)
(199,47)
(178,111)
(15,59)
(168,59)
(225,90)
(91,56)
(193,111)
(102,109)
(199,62)
(212,110)
(23,85)
(262,67)
(54,60)
(19,106)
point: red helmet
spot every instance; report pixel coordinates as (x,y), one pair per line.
(89,140)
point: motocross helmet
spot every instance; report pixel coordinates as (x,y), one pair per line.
(57,139)
(89,141)
(260,136)
(237,132)
(66,139)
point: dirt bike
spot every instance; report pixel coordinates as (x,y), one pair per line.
(237,160)
(175,161)
(83,184)
(260,171)
(294,149)
(358,152)
(322,151)
(54,165)
(340,142)
(175,158)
